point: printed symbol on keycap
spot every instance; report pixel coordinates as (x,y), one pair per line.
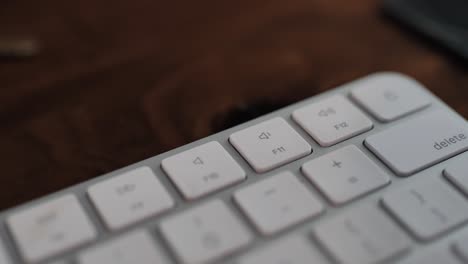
(278,150)
(390,96)
(124,189)
(264,135)
(285,209)
(47,219)
(336,164)
(198,161)
(210,240)
(326,112)
(270,192)
(353,179)
(137,206)
(210,177)
(341,125)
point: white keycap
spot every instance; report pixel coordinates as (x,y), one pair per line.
(420,142)
(428,208)
(332,120)
(290,250)
(269,144)
(132,248)
(202,170)
(362,236)
(277,203)
(390,96)
(461,248)
(130,197)
(432,257)
(50,228)
(204,233)
(345,174)
(457,173)
(4,257)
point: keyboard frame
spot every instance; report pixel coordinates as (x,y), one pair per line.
(151,224)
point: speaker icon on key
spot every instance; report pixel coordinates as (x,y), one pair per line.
(264,135)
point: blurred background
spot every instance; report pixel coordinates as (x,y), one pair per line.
(103,84)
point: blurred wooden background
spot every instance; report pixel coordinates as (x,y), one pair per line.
(119,81)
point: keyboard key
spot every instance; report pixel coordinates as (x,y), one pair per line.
(428,208)
(432,257)
(420,142)
(362,236)
(345,174)
(457,173)
(202,170)
(461,248)
(50,228)
(332,120)
(390,96)
(204,233)
(277,203)
(136,247)
(4,257)
(269,144)
(290,250)
(129,197)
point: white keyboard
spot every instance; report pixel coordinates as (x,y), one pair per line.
(374,171)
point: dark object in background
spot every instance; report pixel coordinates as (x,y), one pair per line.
(445,21)
(245,112)
(18,48)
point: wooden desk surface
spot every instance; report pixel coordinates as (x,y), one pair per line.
(120,81)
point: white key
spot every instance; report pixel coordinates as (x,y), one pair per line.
(420,142)
(290,250)
(432,257)
(130,197)
(362,236)
(332,120)
(202,170)
(136,247)
(390,96)
(457,173)
(205,233)
(345,174)
(50,228)
(427,208)
(277,203)
(269,144)
(461,248)
(4,257)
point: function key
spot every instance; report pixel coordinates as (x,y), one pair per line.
(50,228)
(269,144)
(390,96)
(130,197)
(332,120)
(202,170)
